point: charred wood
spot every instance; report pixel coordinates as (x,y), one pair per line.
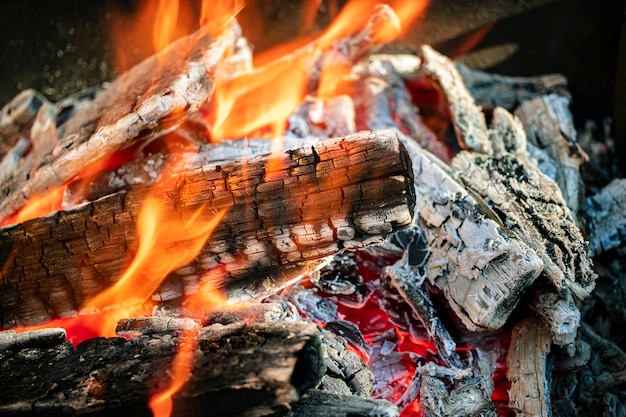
(17,118)
(276,363)
(151,98)
(469,121)
(342,193)
(494,90)
(528,368)
(529,204)
(558,312)
(549,125)
(606,217)
(481,267)
(462,401)
(319,403)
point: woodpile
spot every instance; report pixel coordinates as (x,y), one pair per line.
(469,218)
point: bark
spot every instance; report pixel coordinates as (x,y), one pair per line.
(494,90)
(343,193)
(530,204)
(482,267)
(152,97)
(275,363)
(549,125)
(528,369)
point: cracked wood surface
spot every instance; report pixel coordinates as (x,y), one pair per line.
(342,193)
(527,369)
(275,362)
(481,267)
(549,126)
(152,97)
(530,204)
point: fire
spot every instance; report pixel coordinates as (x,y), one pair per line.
(259,102)
(161,403)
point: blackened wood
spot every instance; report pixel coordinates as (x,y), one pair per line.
(152,97)
(236,369)
(528,369)
(342,193)
(549,125)
(481,267)
(31,339)
(403,280)
(530,204)
(469,121)
(495,90)
(17,117)
(382,101)
(319,403)
(606,217)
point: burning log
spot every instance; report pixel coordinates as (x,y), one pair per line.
(529,204)
(342,193)
(276,363)
(468,119)
(151,98)
(528,368)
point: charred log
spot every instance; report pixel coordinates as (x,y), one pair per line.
(152,97)
(530,204)
(343,193)
(276,364)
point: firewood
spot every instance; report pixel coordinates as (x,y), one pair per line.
(606,217)
(495,90)
(469,121)
(558,312)
(17,117)
(528,368)
(152,97)
(549,125)
(237,369)
(530,204)
(342,193)
(480,265)
(319,403)
(383,101)
(403,280)
(463,401)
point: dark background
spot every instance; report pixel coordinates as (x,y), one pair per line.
(63,46)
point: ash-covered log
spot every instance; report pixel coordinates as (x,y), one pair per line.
(153,97)
(529,203)
(237,369)
(342,193)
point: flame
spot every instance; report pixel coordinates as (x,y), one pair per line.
(161,403)
(260,102)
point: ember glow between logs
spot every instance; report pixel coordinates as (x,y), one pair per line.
(256,102)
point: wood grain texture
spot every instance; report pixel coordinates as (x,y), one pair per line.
(342,193)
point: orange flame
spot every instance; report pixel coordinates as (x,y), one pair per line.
(161,403)
(260,102)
